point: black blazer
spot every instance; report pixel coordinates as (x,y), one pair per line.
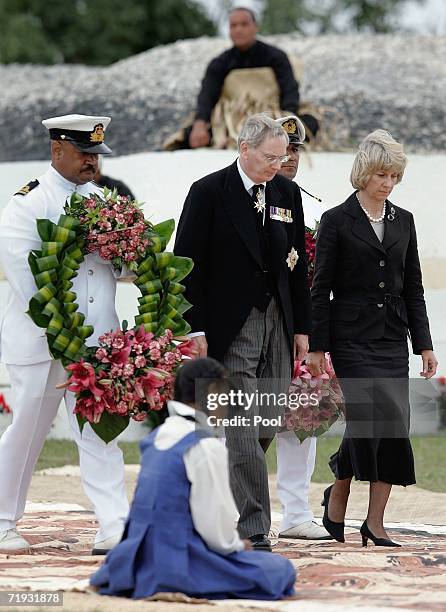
(372,282)
(217,230)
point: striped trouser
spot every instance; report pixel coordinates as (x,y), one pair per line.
(258,359)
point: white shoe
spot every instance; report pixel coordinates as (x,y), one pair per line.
(12,540)
(306,531)
(104,546)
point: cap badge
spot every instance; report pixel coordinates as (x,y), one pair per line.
(97,135)
(290,126)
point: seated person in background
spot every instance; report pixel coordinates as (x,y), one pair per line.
(249,94)
(181,533)
(107,181)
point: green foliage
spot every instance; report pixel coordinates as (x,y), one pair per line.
(99,32)
(282,16)
(110,426)
(372,15)
(322,16)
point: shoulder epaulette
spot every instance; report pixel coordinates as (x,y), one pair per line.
(27,188)
(310,194)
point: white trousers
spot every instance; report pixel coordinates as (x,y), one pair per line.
(35,404)
(295,466)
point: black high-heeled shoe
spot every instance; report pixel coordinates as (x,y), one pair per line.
(367,534)
(336,530)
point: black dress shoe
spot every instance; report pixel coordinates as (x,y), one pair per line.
(367,534)
(260,542)
(336,530)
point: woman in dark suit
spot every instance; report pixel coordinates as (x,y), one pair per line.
(367,258)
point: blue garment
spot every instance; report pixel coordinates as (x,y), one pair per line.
(160,549)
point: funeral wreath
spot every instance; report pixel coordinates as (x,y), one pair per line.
(130,374)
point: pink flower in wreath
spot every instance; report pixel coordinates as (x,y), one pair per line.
(89,409)
(83,378)
(118,342)
(106,338)
(150,383)
(102,355)
(171,358)
(155,354)
(140,361)
(128,370)
(143,338)
(116,371)
(121,408)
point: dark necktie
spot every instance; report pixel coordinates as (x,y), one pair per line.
(265,286)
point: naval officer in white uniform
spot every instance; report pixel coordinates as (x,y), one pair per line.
(295,459)
(76,141)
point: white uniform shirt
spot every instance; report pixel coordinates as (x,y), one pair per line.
(21,341)
(312,210)
(212,505)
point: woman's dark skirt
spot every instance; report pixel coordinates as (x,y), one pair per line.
(374,376)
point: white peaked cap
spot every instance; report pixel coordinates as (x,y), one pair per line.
(86,132)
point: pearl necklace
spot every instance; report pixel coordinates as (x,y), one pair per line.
(379,219)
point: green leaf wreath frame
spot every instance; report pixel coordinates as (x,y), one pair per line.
(161,305)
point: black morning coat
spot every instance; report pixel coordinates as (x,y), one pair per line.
(217,230)
(377,287)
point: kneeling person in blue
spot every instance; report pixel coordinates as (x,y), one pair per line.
(181,533)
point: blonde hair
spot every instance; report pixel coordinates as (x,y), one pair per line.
(378,151)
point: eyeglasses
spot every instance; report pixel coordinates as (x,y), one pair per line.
(273,159)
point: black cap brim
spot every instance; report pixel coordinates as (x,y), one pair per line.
(100,148)
(294,139)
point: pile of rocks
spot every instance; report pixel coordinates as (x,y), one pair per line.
(397,82)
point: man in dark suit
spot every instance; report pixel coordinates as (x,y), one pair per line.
(243,226)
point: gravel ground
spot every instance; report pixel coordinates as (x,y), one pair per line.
(392,81)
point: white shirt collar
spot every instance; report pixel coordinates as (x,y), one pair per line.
(247,182)
(179,409)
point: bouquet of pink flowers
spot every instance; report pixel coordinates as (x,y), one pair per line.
(310,250)
(4,408)
(129,374)
(315,402)
(113,227)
